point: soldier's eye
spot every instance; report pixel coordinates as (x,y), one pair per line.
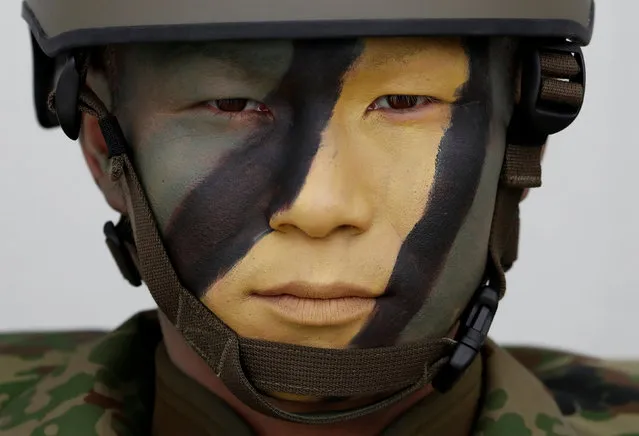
(237,105)
(401,102)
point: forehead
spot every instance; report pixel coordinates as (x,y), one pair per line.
(258,56)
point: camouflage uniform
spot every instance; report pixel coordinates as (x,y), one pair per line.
(92,383)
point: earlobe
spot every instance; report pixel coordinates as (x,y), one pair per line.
(93,145)
(95,152)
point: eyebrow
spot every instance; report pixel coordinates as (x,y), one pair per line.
(237,53)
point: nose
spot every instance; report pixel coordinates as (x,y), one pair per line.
(332,199)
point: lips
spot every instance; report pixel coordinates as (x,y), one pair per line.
(318,292)
(318,305)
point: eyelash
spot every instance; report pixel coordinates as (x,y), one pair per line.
(383,103)
(415,101)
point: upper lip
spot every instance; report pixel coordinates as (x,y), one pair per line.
(317,291)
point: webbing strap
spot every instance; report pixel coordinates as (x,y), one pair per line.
(521,169)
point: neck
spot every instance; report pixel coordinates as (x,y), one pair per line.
(187,361)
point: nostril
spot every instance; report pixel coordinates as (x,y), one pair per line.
(349,229)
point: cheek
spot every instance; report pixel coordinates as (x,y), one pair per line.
(403,167)
(173,157)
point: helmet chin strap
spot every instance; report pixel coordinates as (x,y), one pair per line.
(250,367)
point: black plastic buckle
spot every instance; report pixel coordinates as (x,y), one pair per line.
(115,240)
(67,94)
(533,119)
(470,337)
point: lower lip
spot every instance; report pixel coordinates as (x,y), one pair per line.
(319,312)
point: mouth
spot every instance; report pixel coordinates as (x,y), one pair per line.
(317,292)
(318,305)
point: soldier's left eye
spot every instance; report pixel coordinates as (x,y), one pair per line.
(401,102)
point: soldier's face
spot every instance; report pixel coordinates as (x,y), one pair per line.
(322,193)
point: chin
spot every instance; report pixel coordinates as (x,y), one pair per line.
(317,337)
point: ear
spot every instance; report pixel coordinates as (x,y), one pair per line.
(94,146)
(95,153)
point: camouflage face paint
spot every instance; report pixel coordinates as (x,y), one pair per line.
(229,211)
(330,190)
(460,159)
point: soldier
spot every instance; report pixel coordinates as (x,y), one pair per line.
(322,198)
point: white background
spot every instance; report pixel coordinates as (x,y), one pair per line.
(576,284)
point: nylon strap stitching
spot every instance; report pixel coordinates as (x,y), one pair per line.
(220,365)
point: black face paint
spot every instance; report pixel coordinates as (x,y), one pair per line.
(229,211)
(458,170)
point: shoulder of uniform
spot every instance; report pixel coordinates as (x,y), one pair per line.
(29,356)
(58,382)
(598,396)
(35,345)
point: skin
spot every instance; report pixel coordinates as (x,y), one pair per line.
(374,215)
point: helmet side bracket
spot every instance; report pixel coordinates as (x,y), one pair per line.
(553,81)
(67,97)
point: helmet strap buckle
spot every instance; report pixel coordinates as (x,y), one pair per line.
(471,336)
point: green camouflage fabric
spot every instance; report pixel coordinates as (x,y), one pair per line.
(532,391)
(81,384)
(101,384)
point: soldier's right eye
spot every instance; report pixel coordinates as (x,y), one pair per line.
(233,106)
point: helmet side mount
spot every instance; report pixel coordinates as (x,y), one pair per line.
(67,94)
(553,80)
